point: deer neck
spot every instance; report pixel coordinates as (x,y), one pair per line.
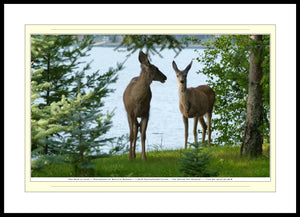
(181,88)
(142,87)
(144,80)
(182,92)
(184,100)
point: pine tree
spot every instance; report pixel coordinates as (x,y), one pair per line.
(195,163)
(150,43)
(88,123)
(67,121)
(59,57)
(44,118)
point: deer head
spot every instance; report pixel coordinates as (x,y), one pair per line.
(151,71)
(181,74)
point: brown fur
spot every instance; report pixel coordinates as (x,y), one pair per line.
(194,102)
(137,97)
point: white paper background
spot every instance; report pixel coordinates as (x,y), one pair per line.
(17,201)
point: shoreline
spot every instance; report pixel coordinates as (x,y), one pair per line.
(109,44)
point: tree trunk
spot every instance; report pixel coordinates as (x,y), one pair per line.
(253,138)
(47,100)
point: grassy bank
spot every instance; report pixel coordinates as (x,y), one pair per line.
(226,160)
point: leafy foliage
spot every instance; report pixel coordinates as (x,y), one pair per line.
(226,64)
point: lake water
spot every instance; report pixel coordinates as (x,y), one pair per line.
(165,127)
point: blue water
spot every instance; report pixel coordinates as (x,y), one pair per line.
(165,127)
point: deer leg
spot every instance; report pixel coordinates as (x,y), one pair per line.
(135,132)
(186,128)
(130,122)
(208,117)
(204,127)
(143,127)
(195,129)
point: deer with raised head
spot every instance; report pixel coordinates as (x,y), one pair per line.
(137,97)
(194,102)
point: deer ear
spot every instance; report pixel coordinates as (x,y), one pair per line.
(143,58)
(188,67)
(174,66)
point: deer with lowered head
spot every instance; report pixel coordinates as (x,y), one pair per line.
(137,97)
(194,102)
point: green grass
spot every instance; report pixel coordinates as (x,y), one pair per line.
(226,160)
(158,164)
(229,163)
